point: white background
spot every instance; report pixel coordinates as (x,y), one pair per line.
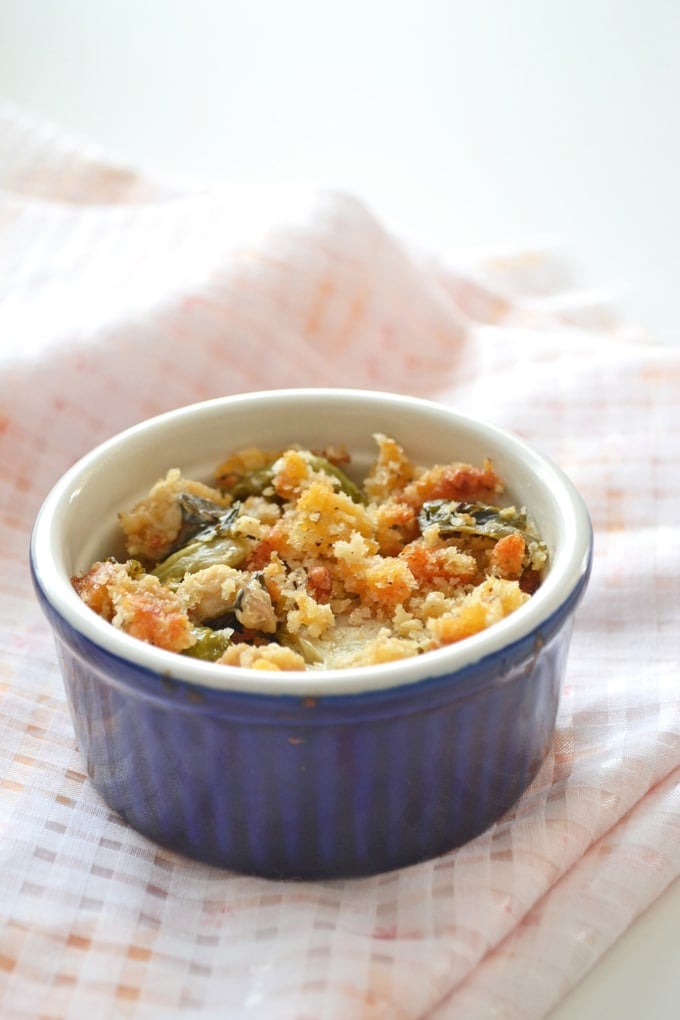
(462,124)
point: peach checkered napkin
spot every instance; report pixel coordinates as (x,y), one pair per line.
(121,297)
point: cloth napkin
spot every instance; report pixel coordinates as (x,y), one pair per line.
(122,296)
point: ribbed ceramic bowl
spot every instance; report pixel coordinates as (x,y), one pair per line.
(319,774)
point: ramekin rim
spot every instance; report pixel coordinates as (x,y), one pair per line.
(546,602)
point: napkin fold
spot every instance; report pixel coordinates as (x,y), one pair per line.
(122,296)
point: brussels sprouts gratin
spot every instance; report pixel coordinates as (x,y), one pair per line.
(285,563)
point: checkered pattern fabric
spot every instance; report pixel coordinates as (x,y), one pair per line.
(121,297)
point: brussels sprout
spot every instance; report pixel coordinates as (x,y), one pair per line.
(303,646)
(480,519)
(252,483)
(346,484)
(210,644)
(454,518)
(198,513)
(215,544)
(259,481)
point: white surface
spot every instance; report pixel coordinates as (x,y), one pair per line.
(639,977)
(460,123)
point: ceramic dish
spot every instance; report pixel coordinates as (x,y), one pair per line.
(309,774)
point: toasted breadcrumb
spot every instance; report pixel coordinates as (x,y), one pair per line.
(140,606)
(153,524)
(209,593)
(487,604)
(313,571)
(270,657)
(322,517)
(391,470)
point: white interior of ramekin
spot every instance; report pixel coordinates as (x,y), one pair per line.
(77,523)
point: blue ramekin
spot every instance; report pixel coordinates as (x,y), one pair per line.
(318,775)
